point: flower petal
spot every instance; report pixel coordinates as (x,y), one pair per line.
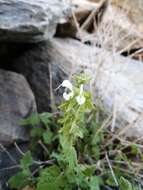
(80,100)
(67,84)
(67,96)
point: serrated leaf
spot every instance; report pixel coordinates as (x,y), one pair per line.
(51,179)
(26,161)
(76,130)
(94,183)
(88,170)
(37,132)
(134,149)
(70,157)
(32,120)
(125,184)
(47,137)
(18,181)
(46,118)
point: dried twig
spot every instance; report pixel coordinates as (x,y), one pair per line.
(9,155)
(112,172)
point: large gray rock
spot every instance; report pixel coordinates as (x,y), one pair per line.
(42,73)
(30,20)
(116,86)
(16,102)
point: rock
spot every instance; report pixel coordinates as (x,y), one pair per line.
(16,102)
(30,20)
(34,64)
(121,28)
(123,24)
(116,81)
(116,26)
(83,23)
(133,9)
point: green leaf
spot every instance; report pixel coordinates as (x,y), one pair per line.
(22,178)
(94,183)
(134,149)
(110,181)
(37,132)
(47,137)
(76,130)
(88,170)
(32,120)
(26,161)
(19,181)
(46,118)
(95,149)
(71,157)
(125,184)
(35,119)
(51,179)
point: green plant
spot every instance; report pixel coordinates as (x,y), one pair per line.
(73,150)
(24,177)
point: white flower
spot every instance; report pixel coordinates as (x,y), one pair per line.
(67,84)
(68,96)
(80,99)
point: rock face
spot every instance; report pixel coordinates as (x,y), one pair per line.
(123,20)
(121,29)
(43,77)
(116,81)
(16,102)
(30,20)
(115,25)
(34,62)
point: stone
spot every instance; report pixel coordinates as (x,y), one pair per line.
(34,62)
(123,24)
(30,20)
(121,29)
(115,25)
(117,82)
(16,103)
